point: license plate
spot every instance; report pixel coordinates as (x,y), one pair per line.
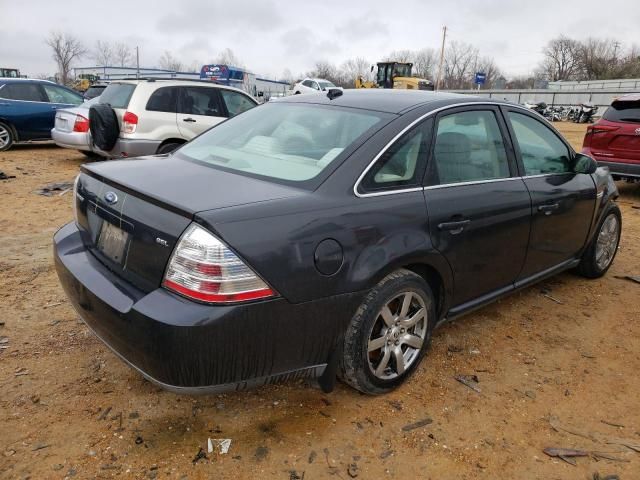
(112,242)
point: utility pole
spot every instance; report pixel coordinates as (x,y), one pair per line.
(137,62)
(444,36)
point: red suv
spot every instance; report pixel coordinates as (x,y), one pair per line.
(614,140)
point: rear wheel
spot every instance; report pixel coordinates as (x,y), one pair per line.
(167,148)
(599,256)
(389,333)
(6,137)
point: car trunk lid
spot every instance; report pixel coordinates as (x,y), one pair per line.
(132,217)
(66,119)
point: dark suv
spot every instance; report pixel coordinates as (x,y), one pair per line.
(28,109)
(614,141)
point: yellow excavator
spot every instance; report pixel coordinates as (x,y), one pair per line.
(395,75)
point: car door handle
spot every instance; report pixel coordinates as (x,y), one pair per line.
(454,228)
(549,208)
(190,120)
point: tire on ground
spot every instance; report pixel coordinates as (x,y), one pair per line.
(353,368)
(588,266)
(104,127)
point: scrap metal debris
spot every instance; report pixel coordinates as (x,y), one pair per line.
(632,278)
(418,424)
(569,455)
(55,188)
(4,176)
(221,444)
(104,414)
(199,456)
(554,299)
(470,381)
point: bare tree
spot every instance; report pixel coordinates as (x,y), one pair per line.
(598,59)
(402,56)
(354,68)
(169,62)
(103,54)
(561,59)
(122,55)
(424,62)
(65,50)
(460,61)
(286,76)
(228,57)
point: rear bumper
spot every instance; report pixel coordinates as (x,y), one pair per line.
(188,347)
(74,140)
(617,166)
(126,147)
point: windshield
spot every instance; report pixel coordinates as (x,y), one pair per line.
(284,141)
(623,111)
(325,84)
(402,70)
(117,94)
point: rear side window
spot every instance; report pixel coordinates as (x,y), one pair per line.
(117,95)
(401,165)
(163,100)
(28,92)
(236,102)
(623,112)
(541,150)
(200,101)
(58,94)
(468,147)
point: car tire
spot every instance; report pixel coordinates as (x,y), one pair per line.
(600,253)
(104,127)
(6,137)
(167,148)
(297,93)
(361,364)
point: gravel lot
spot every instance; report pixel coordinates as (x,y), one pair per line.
(70,408)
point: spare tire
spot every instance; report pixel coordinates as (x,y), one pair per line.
(103,124)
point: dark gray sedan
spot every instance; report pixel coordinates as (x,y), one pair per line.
(327,235)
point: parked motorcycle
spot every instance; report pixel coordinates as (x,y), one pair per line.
(584,113)
(553,114)
(538,107)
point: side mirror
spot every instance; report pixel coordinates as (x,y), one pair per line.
(584,164)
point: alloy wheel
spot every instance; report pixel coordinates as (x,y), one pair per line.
(397,336)
(607,241)
(5,137)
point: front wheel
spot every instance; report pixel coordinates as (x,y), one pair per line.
(167,148)
(6,137)
(389,333)
(599,256)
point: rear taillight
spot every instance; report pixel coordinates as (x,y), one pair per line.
(595,129)
(129,122)
(205,269)
(81,124)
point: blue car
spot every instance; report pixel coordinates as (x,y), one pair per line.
(28,109)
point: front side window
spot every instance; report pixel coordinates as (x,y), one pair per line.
(200,101)
(236,102)
(402,164)
(468,147)
(58,94)
(28,92)
(541,150)
(282,141)
(163,100)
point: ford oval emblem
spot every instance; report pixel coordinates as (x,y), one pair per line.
(110,198)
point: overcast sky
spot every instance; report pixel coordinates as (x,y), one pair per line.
(271,35)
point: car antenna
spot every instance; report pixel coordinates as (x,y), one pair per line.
(334,93)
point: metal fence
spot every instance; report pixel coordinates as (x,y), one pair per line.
(599,97)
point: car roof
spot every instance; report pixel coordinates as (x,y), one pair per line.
(385,100)
(12,79)
(177,82)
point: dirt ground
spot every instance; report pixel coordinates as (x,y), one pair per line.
(70,408)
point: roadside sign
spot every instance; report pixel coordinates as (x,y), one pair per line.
(480,78)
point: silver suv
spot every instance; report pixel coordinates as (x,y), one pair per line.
(153,116)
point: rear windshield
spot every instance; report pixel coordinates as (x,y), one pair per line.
(284,141)
(623,112)
(117,94)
